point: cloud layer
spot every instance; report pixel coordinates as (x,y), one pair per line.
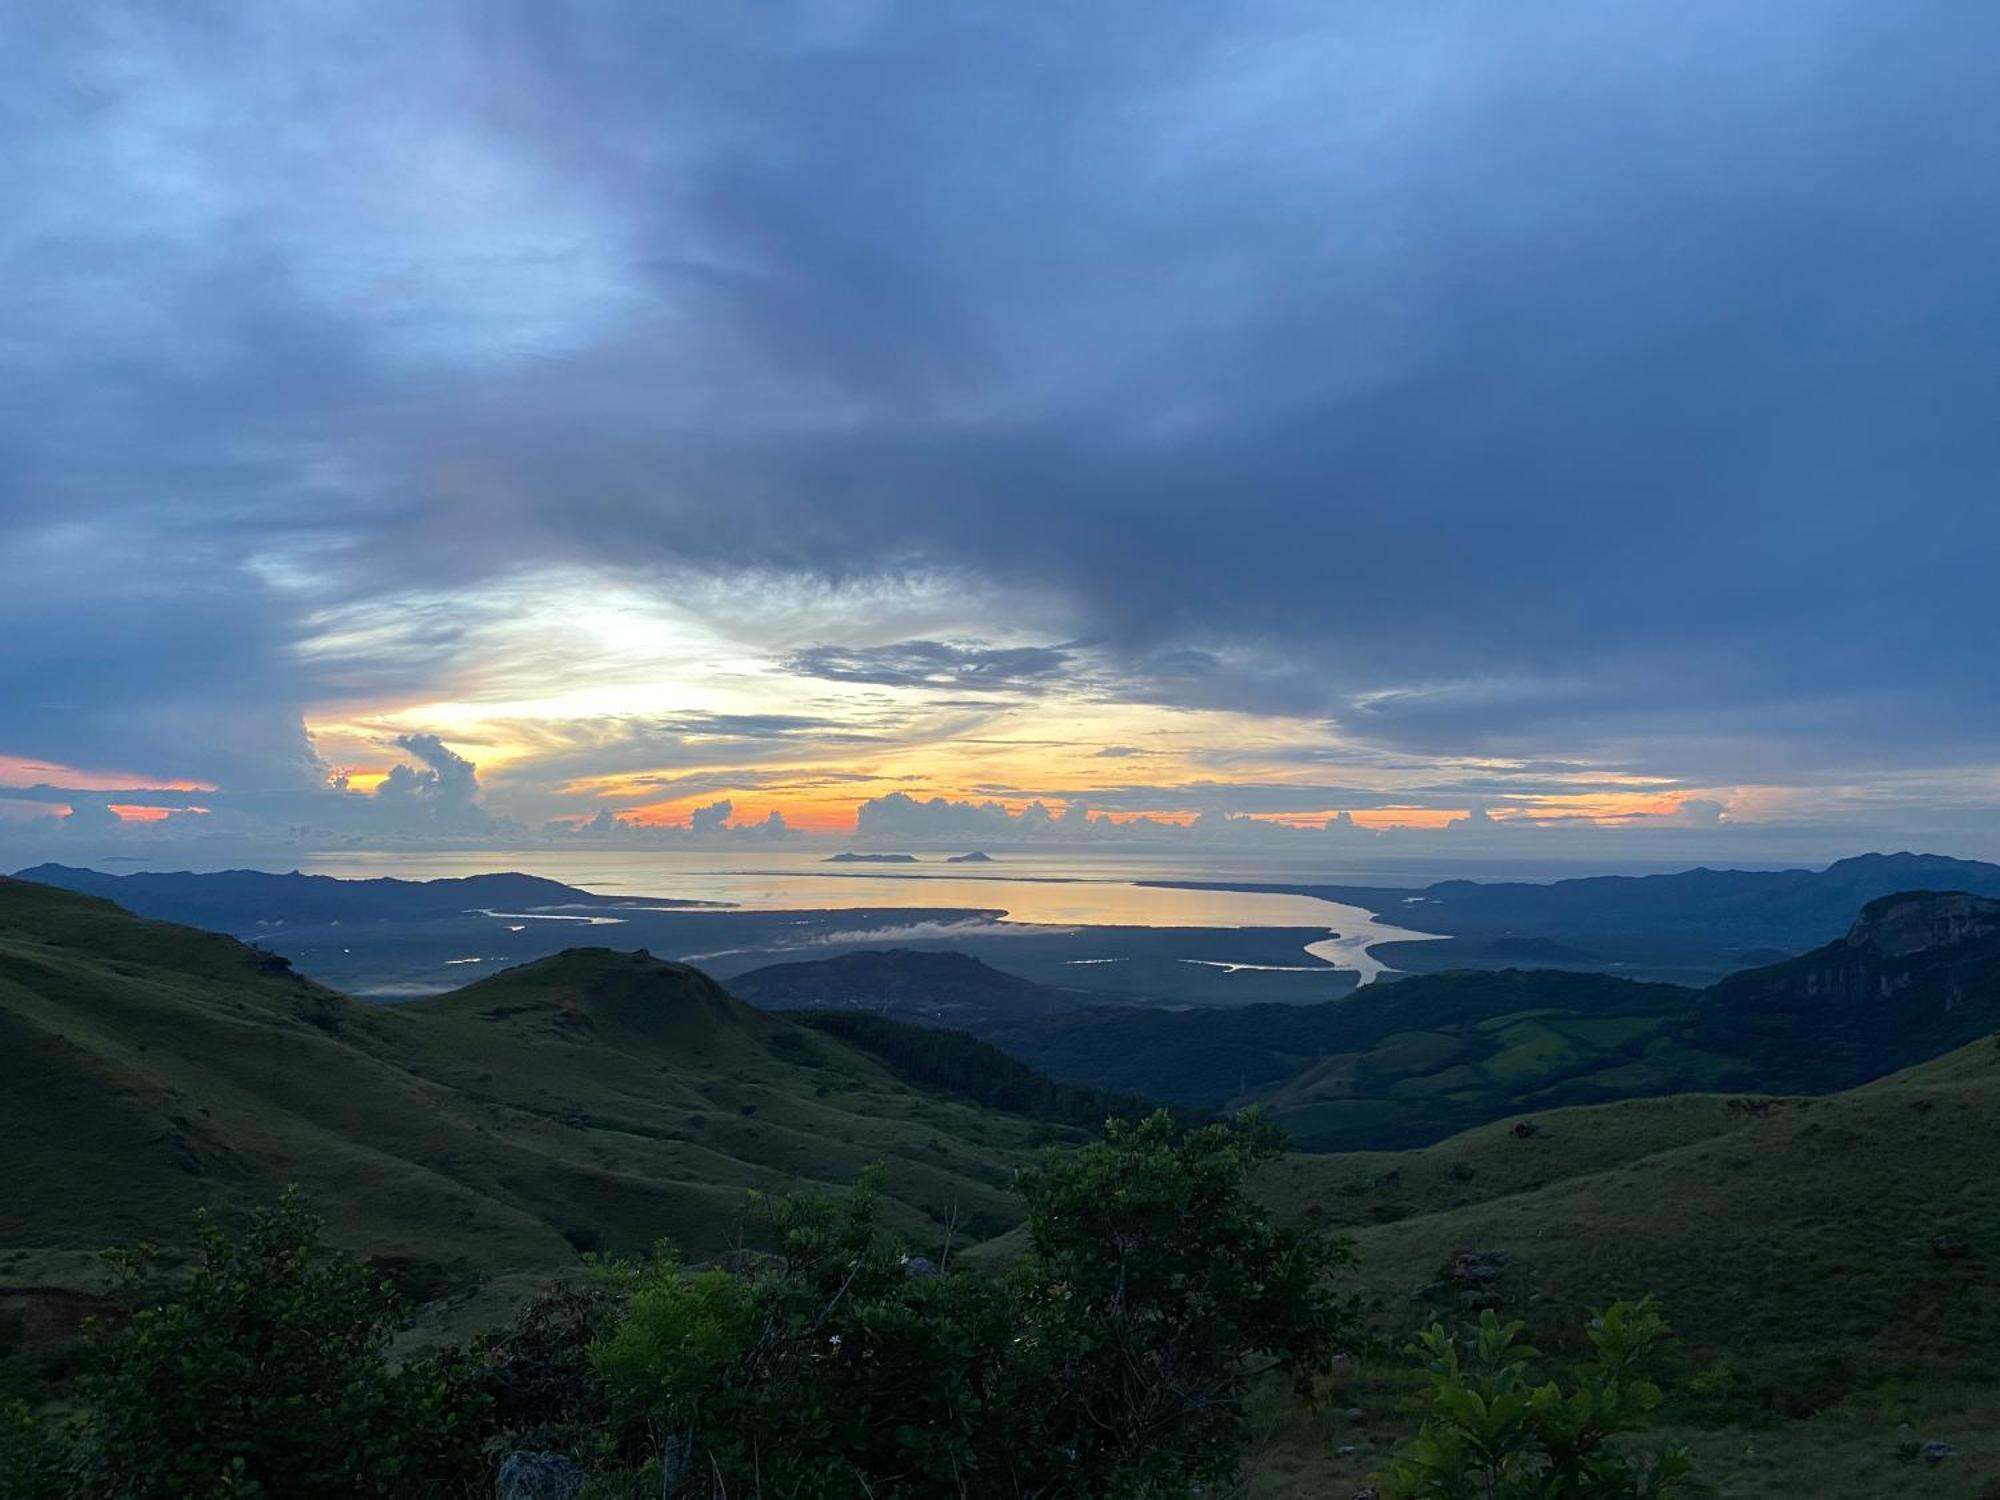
(1287,409)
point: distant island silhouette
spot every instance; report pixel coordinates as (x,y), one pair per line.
(976,857)
(849,857)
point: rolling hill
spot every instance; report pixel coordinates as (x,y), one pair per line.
(591,1099)
(1773,1221)
(1393,1064)
(1828,1262)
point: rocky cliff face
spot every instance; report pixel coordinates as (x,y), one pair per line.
(1919,921)
(1916,975)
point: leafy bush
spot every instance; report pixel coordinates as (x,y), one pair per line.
(834,1368)
(1111,1362)
(264,1376)
(534,1381)
(35,1455)
(1494,1433)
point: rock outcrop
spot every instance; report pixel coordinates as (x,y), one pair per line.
(538,1476)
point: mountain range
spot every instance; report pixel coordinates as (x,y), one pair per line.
(1694,925)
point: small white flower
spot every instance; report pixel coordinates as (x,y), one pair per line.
(834,1340)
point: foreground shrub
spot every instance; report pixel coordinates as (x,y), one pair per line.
(1494,1432)
(1111,1362)
(264,1376)
(35,1455)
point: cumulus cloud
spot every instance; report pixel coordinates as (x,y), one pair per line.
(443,789)
(712,817)
(899,819)
(709,827)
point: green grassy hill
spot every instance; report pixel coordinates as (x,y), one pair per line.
(591,1099)
(1783,1224)
(1830,1263)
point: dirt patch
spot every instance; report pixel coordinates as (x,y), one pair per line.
(41,1316)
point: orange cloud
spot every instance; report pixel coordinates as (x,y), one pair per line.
(1596,807)
(129,812)
(1408,817)
(18,770)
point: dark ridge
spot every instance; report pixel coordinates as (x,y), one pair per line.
(934,1057)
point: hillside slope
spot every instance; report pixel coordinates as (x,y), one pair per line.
(910,984)
(590,1098)
(1829,1264)
(1392,1064)
(1864,1222)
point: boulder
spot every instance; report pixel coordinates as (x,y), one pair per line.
(1479,1267)
(538,1476)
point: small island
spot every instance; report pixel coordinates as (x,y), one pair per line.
(849,857)
(976,857)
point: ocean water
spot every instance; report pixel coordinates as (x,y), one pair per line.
(1051,890)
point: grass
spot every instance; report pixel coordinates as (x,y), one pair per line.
(1793,1242)
(1861,1448)
(589,1100)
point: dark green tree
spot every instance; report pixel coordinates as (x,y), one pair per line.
(1157,1289)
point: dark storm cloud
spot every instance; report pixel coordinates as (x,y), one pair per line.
(935,664)
(1540,380)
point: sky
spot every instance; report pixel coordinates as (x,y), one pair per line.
(1339,425)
